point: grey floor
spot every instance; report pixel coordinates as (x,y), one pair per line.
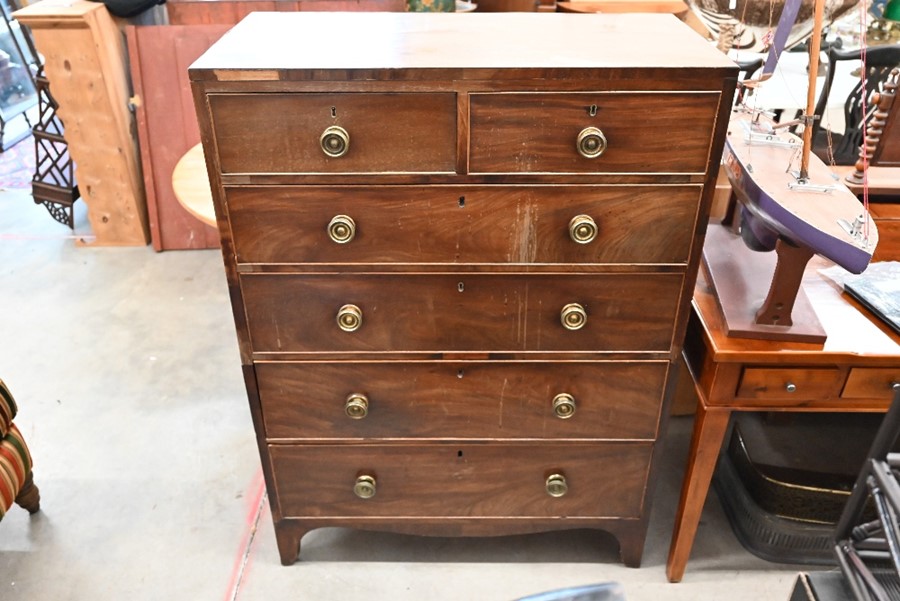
(125,367)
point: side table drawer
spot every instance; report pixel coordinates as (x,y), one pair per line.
(460,312)
(462,224)
(461,480)
(871,383)
(436,399)
(783,384)
(387,132)
(539,132)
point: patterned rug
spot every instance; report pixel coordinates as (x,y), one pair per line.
(17,165)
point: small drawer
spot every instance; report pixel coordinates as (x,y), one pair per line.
(786,384)
(872,383)
(429,399)
(463,225)
(294,133)
(628,132)
(461,480)
(460,312)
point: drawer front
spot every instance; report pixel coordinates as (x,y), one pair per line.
(872,383)
(460,312)
(448,224)
(612,400)
(280,133)
(461,480)
(785,384)
(538,132)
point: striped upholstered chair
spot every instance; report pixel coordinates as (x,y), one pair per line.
(15,461)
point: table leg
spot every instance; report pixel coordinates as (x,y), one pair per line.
(706,442)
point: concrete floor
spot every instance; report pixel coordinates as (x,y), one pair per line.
(125,366)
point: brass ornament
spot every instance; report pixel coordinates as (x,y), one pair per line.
(573,316)
(335,141)
(556,485)
(349,318)
(591,143)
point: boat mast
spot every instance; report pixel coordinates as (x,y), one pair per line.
(815,46)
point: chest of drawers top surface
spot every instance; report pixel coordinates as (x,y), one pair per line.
(267,46)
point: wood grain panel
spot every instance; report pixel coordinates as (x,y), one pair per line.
(470,312)
(220,12)
(389,132)
(229,12)
(613,400)
(85,59)
(463,224)
(533,133)
(461,480)
(167,125)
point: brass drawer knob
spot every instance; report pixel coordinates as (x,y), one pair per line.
(582,229)
(357,406)
(364,487)
(341,229)
(591,142)
(564,405)
(335,141)
(349,318)
(573,316)
(556,485)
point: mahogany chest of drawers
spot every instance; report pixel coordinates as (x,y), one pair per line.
(460,251)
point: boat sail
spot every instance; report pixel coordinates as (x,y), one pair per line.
(786,192)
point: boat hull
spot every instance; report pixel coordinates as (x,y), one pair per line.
(822,221)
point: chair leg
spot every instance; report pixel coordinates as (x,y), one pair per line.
(29,497)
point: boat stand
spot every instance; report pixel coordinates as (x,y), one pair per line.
(738,276)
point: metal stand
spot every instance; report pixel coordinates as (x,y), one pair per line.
(869,552)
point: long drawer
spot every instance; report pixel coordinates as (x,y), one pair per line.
(438,399)
(461,480)
(460,312)
(457,224)
(386,132)
(539,132)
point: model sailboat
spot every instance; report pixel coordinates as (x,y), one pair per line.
(790,200)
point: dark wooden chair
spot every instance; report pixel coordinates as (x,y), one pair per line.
(880,60)
(746,71)
(882,145)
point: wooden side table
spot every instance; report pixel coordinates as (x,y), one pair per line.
(191,185)
(853,371)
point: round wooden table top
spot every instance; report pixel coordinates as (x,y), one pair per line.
(191,184)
